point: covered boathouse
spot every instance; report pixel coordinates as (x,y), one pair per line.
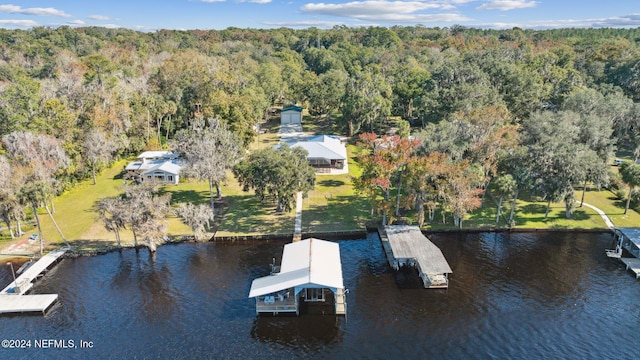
(310,272)
(405,245)
(629,240)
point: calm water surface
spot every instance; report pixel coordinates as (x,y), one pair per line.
(533,296)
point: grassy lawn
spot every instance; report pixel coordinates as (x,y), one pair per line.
(334,198)
(78,220)
(333,205)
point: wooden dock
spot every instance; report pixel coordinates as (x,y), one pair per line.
(407,246)
(13,298)
(632,264)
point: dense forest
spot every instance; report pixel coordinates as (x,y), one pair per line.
(544,110)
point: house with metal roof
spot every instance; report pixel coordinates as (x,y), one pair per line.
(327,153)
(310,272)
(160,166)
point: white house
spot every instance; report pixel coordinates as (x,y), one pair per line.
(310,271)
(161,166)
(291,115)
(327,153)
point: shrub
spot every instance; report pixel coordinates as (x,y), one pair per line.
(615,181)
(621,194)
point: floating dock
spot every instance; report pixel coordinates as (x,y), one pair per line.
(13,298)
(632,264)
(406,246)
(26,303)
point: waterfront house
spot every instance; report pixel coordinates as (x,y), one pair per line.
(310,272)
(327,153)
(160,166)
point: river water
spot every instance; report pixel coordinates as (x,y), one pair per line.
(511,296)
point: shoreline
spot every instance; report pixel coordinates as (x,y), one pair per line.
(328,235)
(336,235)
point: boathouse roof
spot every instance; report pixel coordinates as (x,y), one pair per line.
(310,263)
(632,233)
(409,242)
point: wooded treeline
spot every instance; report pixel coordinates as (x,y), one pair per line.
(562,99)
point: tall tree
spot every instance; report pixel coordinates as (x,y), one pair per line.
(40,157)
(146,214)
(113,213)
(277,173)
(631,176)
(197,217)
(504,186)
(209,150)
(98,149)
(558,159)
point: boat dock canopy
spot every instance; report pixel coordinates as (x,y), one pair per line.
(406,246)
(408,242)
(629,239)
(310,263)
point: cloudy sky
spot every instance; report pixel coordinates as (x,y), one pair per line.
(150,15)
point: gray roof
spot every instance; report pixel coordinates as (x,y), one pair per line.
(632,233)
(408,242)
(323,147)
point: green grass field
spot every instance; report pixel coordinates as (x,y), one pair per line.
(333,205)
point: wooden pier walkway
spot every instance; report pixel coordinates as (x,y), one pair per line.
(13,298)
(407,246)
(25,280)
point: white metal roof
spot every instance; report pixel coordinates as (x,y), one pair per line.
(166,166)
(158,155)
(311,262)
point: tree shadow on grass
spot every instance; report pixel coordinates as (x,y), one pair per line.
(331,183)
(246,214)
(340,213)
(532,209)
(619,203)
(187,196)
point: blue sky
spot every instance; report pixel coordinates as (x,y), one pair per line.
(151,15)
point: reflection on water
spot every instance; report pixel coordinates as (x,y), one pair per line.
(529,295)
(309,333)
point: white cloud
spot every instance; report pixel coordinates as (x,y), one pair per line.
(303,23)
(632,20)
(505,5)
(14,9)
(99,17)
(76,22)
(18,23)
(367,8)
(111,26)
(382,10)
